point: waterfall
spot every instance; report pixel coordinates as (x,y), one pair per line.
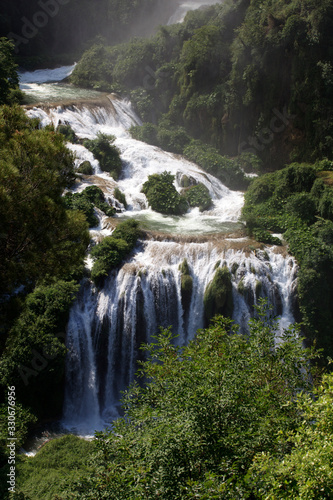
(107,326)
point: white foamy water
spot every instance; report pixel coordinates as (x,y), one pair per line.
(141,160)
(185,7)
(106,328)
(46,75)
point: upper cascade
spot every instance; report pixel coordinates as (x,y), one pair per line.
(113,116)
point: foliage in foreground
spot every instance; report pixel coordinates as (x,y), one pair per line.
(206,412)
(59,461)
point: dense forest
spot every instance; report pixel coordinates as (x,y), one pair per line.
(243,86)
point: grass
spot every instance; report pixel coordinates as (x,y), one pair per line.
(44,475)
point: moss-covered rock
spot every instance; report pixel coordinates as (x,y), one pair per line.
(186,285)
(119,195)
(218,295)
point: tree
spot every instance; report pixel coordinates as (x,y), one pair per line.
(9,81)
(38,236)
(201,414)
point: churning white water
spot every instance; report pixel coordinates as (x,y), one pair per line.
(107,326)
(139,161)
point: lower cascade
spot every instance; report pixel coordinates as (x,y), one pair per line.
(107,327)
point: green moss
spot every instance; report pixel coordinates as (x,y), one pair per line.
(218,295)
(186,283)
(183,267)
(234,268)
(258,287)
(241,287)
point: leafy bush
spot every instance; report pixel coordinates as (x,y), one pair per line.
(113,249)
(226,397)
(198,196)
(67,132)
(59,461)
(91,197)
(162,196)
(85,168)
(106,153)
(77,201)
(120,196)
(34,358)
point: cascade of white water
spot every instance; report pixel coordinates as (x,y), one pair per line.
(107,327)
(146,293)
(139,161)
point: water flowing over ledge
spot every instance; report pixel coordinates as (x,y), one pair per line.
(107,326)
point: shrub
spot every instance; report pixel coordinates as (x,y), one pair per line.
(162,196)
(106,153)
(85,168)
(113,249)
(67,132)
(119,195)
(85,201)
(198,196)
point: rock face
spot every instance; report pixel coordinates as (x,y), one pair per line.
(218,295)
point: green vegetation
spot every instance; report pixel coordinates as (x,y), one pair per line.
(114,249)
(198,196)
(218,295)
(85,168)
(9,82)
(207,413)
(106,153)
(306,472)
(186,283)
(61,460)
(91,197)
(119,195)
(162,195)
(34,355)
(242,77)
(39,237)
(67,132)
(295,201)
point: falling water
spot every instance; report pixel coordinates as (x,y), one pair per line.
(107,326)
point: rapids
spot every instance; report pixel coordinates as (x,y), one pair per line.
(107,326)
